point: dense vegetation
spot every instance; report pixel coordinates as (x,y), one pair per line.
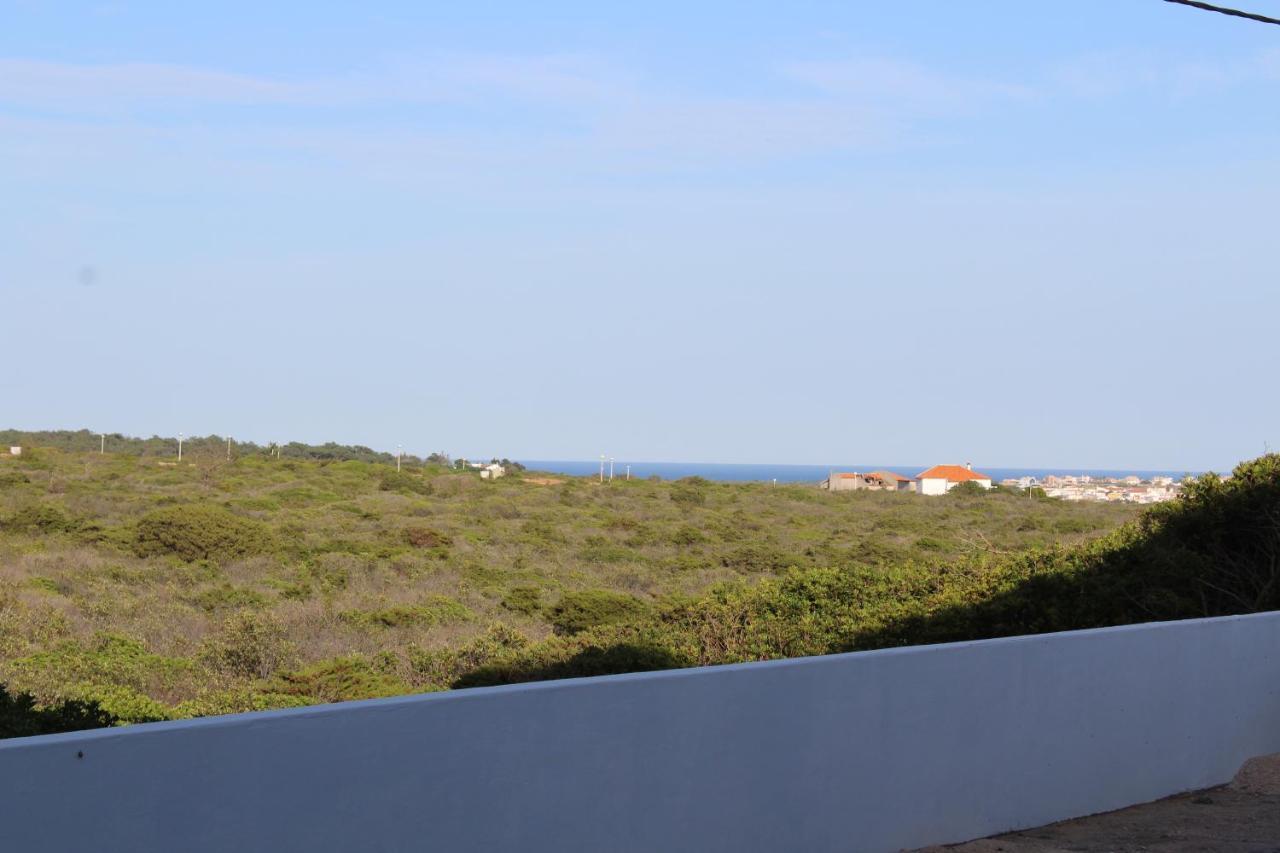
(133,589)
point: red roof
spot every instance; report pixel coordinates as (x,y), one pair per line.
(847,476)
(951,473)
(889,475)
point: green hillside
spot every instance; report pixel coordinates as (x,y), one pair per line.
(133,588)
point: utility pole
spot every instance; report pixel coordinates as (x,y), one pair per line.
(179,447)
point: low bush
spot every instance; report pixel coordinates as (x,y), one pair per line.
(578,611)
(440,668)
(689,492)
(199,532)
(22,716)
(526,600)
(339,680)
(422,537)
(405,483)
(435,610)
(41,518)
(248,645)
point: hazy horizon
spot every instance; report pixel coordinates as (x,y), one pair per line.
(590,459)
(724,232)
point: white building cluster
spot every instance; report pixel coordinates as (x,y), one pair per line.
(1130,489)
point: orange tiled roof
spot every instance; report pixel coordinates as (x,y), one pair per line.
(951,473)
(889,475)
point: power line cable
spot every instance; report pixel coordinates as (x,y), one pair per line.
(1222,10)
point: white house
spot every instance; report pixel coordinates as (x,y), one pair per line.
(941,479)
(492,472)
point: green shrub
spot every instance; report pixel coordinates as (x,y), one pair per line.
(578,611)
(435,610)
(526,600)
(199,532)
(45,584)
(439,668)
(687,536)
(235,701)
(759,557)
(339,680)
(122,703)
(226,596)
(689,492)
(248,645)
(598,549)
(422,537)
(405,483)
(13,478)
(22,716)
(41,518)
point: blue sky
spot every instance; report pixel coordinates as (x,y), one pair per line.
(1013,233)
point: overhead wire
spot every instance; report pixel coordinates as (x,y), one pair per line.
(1223,10)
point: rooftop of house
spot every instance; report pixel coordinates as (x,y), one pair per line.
(889,475)
(951,473)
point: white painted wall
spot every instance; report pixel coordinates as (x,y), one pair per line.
(873,751)
(933,486)
(940,486)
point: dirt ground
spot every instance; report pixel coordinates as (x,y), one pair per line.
(1241,817)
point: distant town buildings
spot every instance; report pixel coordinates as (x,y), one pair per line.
(1129,489)
(941,479)
(492,471)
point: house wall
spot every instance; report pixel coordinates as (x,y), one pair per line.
(932,486)
(846,484)
(872,751)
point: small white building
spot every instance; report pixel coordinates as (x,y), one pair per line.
(941,479)
(492,472)
(15,451)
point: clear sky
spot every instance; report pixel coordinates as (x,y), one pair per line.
(1023,234)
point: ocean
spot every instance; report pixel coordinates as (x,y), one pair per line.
(800,473)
